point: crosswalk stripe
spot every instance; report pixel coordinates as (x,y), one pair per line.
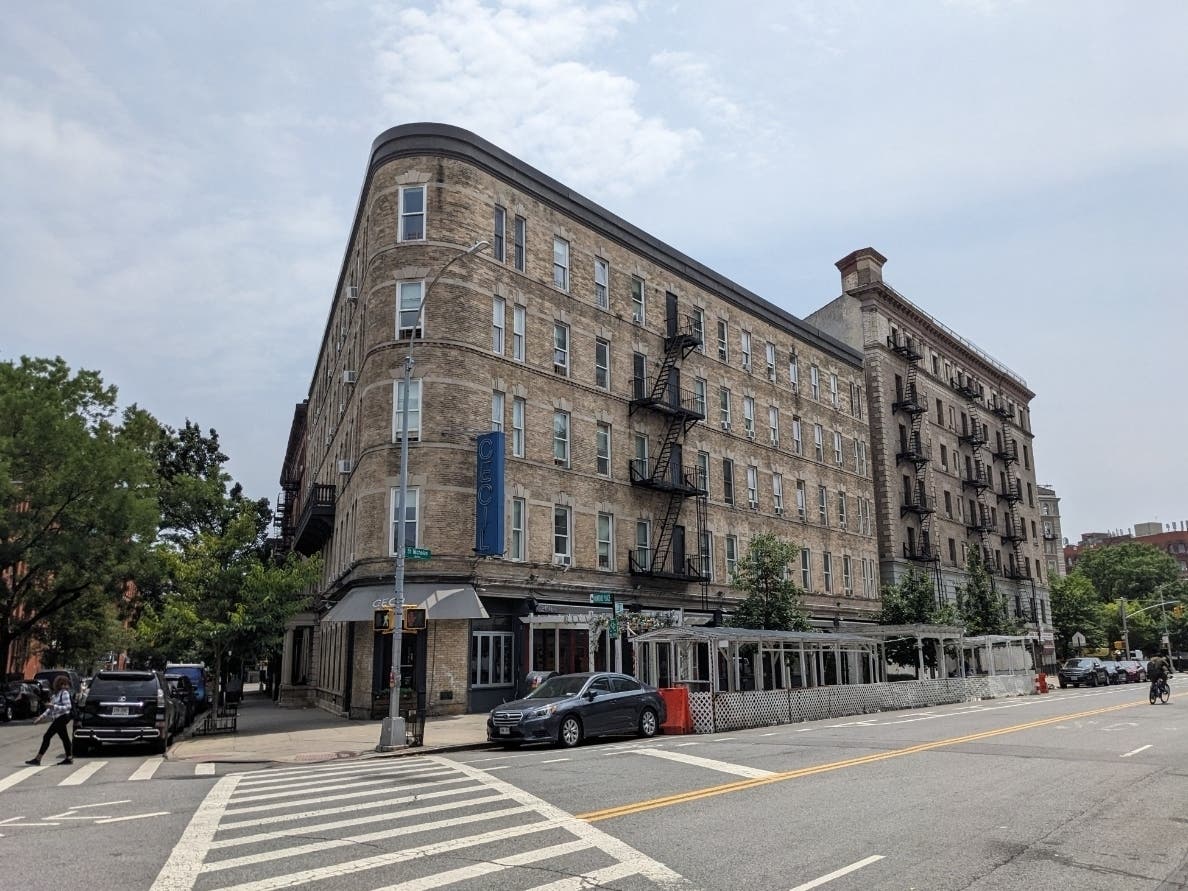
(352,808)
(303,788)
(597,878)
(353,821)
(204,769)
(181,870)
(354,764)
(146,770)
(475,870)
(361,769)
(23,774)
(277,805)
(337,870)
(709,763)
(330,844)
(83,774)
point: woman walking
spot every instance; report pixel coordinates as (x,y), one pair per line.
(58,713)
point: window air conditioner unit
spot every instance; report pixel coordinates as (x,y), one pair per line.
(779,511)
(753,505)
(349,377)
(775,440)
(352,294)
(770,373)
(562,559)
(345,465)
(750,434)
(636,318)
(725,425)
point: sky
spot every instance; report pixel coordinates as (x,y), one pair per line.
(177,184)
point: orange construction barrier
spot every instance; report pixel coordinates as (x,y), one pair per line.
(679,719)
(1041,683)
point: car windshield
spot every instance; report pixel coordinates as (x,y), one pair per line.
(1077,663)
(563,685)
(133,688)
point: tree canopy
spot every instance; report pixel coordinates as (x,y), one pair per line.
(980,605)
(1076,607)
(1128,569)
(913,601)
(773,601)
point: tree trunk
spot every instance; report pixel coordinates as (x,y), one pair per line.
(218,678)
(5,644)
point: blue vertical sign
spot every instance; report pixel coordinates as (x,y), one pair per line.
(488,495)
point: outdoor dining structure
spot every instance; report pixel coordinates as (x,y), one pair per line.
(742,677)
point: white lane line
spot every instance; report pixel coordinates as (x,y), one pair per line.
(204,769)
(500,767)
(709,763)
(838,873)
(320,828)
(83,774)
(463,873)
(147,769)
(723,739)
(549,761)
(773,733)
(271,779)
(1135,751)
(322,799)
(338,779)
(181,870)
(684,745)
(300,788)
(352,808)
(598,878)
(132,817)
(23,774)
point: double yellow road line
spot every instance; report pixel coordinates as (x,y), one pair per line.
(624,810)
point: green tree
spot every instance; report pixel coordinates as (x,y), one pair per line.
(912,601)
(77,493)
(773,601)
(82,635)
(1076,607)
(981,607)
(1128,569)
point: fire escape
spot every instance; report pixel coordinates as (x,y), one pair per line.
(914,453)
(667,475)
(1013,533)
(982,522)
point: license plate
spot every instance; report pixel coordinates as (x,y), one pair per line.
(120,711)
(505,731)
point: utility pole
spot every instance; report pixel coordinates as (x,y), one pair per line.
(1125,630)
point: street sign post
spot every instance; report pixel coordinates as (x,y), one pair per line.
(411,553)
(1078,640)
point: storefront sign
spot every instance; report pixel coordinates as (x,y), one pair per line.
(488,498)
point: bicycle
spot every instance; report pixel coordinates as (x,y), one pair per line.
(1160,690)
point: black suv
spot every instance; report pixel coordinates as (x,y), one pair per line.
(125,707)
(1086,670)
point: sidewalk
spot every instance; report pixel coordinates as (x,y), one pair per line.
(268,732)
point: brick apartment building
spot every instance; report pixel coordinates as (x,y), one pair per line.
(656,416)
(951,444)
(1171,538)
(1051,531)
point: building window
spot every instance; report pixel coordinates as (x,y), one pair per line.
(823,505)
(861,467)
(749,415)
(841,510)
(834,397)
(637,301)
(700,387)
(949,504)
(1030,496)
(806,569)
(797,444)
(601,283)
(944,453)
(412,213)
(643,545)
(723,341)
(728,481)
(491,662)
(815,383)
(414,409)
(602,364)
(411,516)
(703,470)
(561,348)
(827,568)
(940,413)
(801,502)
(561,438)
(724,406)
(837,449)
(731,545)
(769,354)
(952,550)
(562,534)
(1026,459)
(819,442)
(1044,508)
(606,542)
(699,329)
(773,425)
(753,487)
(794,372)
(847,574)
(777,492)
(640,461)
(746,350)
(518,427)
(602,447)
(855,403)
(497,407)
(497,238)
(561,264)
(706,553)
(411,317)
(521,242)
(519,516)
(498,308)
(519,323)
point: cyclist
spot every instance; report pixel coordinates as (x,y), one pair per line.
(1158,672)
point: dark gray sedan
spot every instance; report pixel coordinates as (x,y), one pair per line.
(568,708)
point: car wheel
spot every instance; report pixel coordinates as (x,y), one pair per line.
(1063,685)
(7,714)
(1093,681)
(570,733)
(82,748)
(647,723)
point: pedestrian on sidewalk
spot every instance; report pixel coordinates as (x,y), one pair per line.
(59,712)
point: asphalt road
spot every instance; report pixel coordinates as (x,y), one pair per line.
(1077,789)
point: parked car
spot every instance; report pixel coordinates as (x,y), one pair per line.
(23,698)
(1135,671)
(568,708)
(1114,671)
(125,707)
(196,672)
(1087,670)
(47,677)
(182,690)
(8,706)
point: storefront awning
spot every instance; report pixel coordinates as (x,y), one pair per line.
(441,601)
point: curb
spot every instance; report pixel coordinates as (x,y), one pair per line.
(366,754)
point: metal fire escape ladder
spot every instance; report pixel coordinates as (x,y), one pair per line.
(916,453)
(969,389)
(1012,494)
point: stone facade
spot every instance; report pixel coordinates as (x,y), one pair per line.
(549,350)
(1053,537)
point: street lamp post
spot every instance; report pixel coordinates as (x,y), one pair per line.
(392,731)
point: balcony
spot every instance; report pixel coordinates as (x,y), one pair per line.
(1002,409)
(918,505)
(1016,573)
(981,525)
(974,439)
(1008,454)
(1012,533)
(913,451)
(679,403)
(686,481)
(316,521)
(978,482)
(1012,494)
(905,347)
(920,552)
(1049,535)
(909,401)
(691,573)
(684,334)
(966,386)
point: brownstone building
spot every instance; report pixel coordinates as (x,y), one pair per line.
(656,416)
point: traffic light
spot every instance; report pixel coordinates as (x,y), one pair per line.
(1178,610)
(384,620)
(414,618)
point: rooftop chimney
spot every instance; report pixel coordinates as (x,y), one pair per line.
(863,267)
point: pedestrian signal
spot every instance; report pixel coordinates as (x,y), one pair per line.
(414,618)
(385,620)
